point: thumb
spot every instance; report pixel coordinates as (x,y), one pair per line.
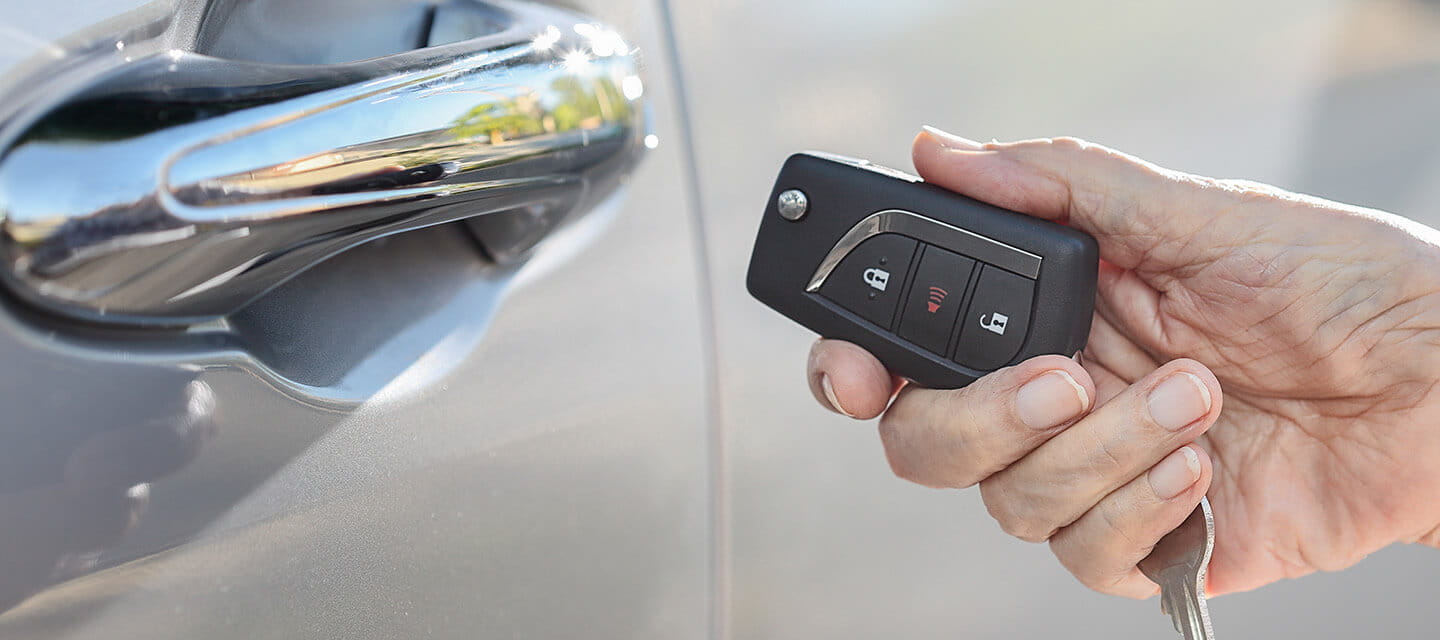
(1138,212)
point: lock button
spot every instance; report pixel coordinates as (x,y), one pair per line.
(869,281)
(998,320)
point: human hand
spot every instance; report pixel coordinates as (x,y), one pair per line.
(1320,322)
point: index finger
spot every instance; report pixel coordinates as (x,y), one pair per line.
(1129,205)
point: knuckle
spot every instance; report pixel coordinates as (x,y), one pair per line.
(976,411)
(1032,537)
(893,441)
(1097,579)
(901,468)
(915,472)
(890,435)
(982,435)
(1082,150)
(1071,144)
(1113,522)
(1097,565)
(957,475)
(932,440)
(1013,519)
(1101,582)
(904,470)
(1246,191)
(1075,554)
(905,459)
(1092,196)
(1106,461)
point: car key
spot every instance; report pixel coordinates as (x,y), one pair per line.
(1178,564)
(940,287)
(944,289)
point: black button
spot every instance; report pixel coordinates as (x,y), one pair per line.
(999,317)
(936,295)
(868,281)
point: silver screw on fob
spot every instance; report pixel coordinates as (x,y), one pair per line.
(793,204)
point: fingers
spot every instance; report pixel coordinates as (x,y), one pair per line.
(1112,350)
(1104,546)
(1101,484)
(1132,207)
(848,380)
(956,438)
(1062,479)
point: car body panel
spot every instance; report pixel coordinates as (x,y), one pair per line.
(447,448)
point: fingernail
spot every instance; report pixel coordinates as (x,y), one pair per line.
(1175,473)
(1051,399)
(1178,401)
(952,141)
(830,395)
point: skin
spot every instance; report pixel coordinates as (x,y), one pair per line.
(1314,328)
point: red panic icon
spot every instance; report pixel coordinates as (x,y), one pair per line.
(937,296)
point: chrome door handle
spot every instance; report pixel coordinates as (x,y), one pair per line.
(178,187)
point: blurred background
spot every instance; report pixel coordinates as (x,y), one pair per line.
(1339,99)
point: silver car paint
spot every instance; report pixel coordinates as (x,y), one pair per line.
(528,457)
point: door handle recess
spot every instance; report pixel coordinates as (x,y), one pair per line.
(177,188)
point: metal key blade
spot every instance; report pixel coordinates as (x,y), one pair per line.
(1178,564)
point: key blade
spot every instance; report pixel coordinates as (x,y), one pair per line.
(1202,624)
(1188,546)
(1172,602)
(1194,617)
(1166,596)
(1179,564)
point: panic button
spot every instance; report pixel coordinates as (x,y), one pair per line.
(935,298)
(999,318)
(869,280)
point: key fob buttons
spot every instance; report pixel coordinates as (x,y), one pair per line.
(941,288)
(869,280)
(998,319)
(868,273)
(936,297)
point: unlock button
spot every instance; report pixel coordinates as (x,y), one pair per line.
(998,320)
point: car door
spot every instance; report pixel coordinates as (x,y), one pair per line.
(472,417)
(1333,98)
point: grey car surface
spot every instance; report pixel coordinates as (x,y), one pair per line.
(427,435)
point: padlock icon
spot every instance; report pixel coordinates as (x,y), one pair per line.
(877,278)
(994,322)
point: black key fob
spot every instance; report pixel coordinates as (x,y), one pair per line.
(941,288)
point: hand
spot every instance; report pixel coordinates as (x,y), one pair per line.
(1319,321)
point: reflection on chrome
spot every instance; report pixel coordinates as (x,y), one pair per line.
(179,187)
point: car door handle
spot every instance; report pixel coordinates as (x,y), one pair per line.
(178,187)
